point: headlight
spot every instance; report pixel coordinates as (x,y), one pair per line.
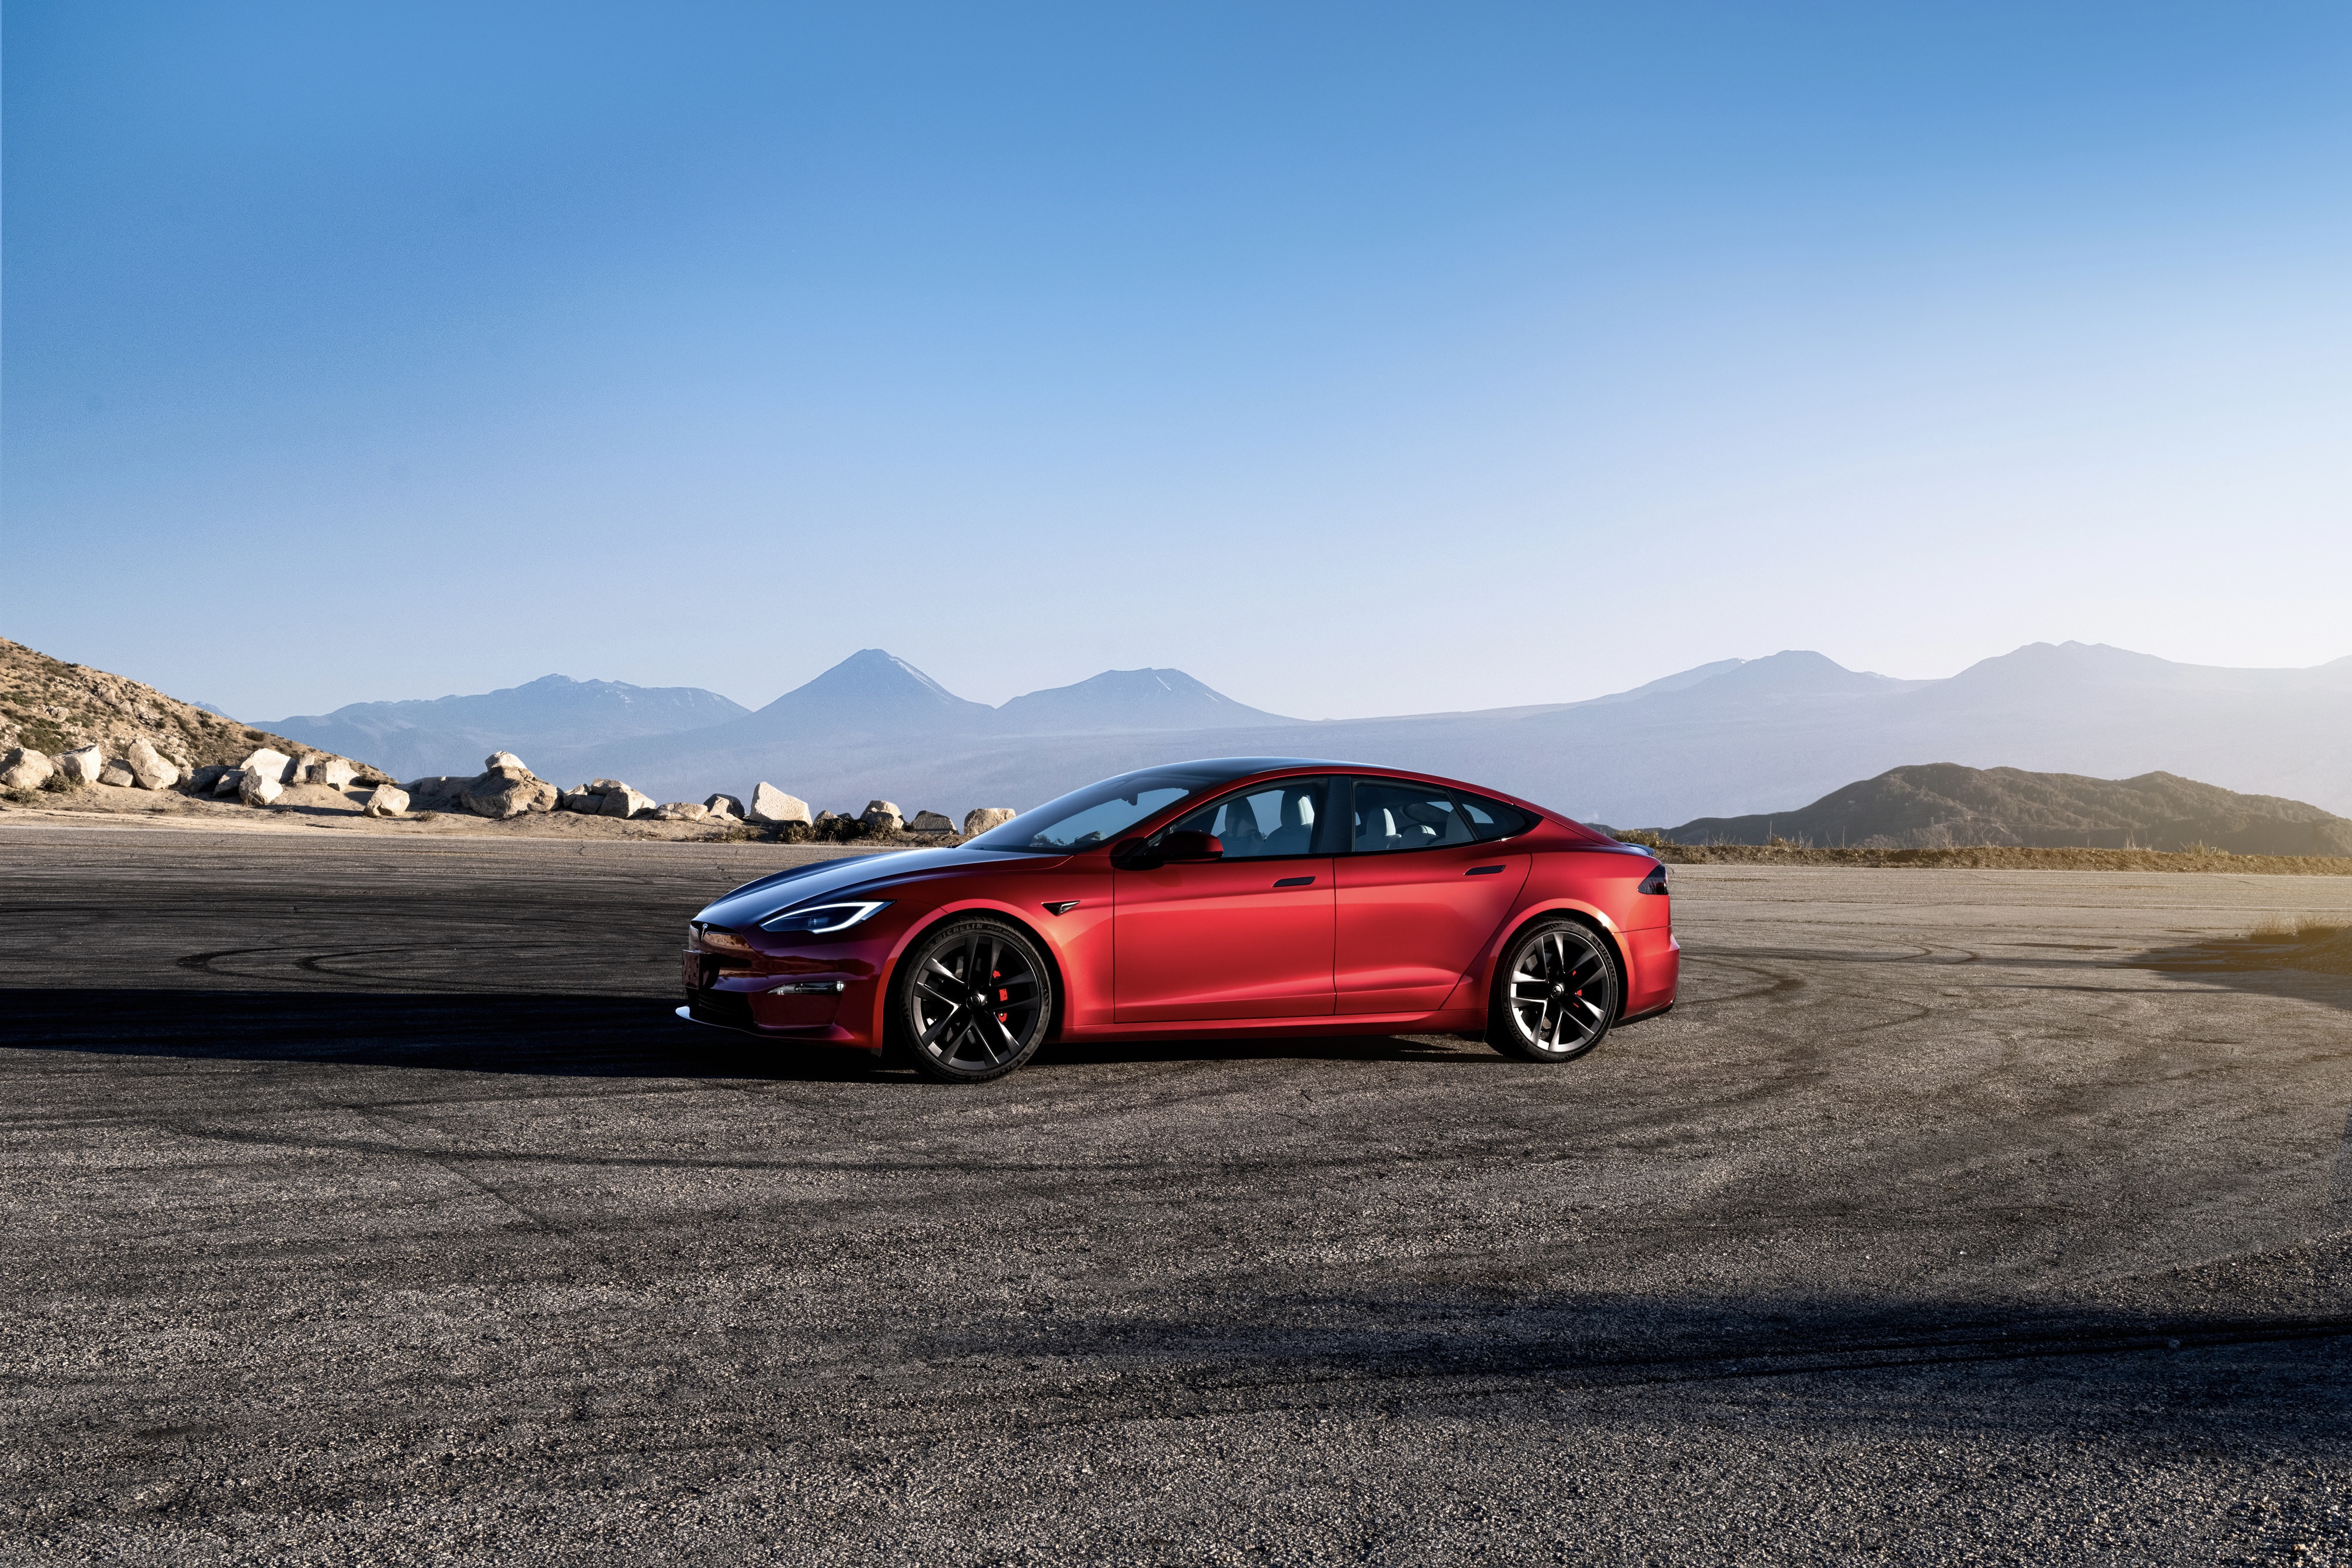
(819,919)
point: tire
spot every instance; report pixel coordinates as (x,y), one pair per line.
(1556,992)
(938,1022)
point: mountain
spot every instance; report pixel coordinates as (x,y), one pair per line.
(1941,805)
(452,734)
(874,705)
(871,693)
(1728,738)
(1129,700)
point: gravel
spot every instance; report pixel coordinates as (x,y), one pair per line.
(365,1202)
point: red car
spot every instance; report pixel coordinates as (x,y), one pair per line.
(1254,895)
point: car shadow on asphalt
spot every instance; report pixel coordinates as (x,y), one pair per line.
(556,1035)
(2244,963)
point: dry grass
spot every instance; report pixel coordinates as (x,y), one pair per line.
(2320,943)
(2003,857)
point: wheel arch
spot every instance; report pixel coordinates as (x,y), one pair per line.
(966,911)
(1583,914)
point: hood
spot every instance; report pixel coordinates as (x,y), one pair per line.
(755,901)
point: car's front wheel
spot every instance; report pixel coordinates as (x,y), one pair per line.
(1556,993)
(972,1000)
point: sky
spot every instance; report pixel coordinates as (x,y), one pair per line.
(1355,359)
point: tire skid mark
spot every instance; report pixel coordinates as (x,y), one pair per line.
(1096,1398)
(452,1168)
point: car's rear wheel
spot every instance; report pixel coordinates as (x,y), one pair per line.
(1556,993)
(971,1001)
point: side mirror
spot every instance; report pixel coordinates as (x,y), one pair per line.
(1191,847)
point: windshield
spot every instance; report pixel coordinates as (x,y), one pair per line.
(1101,812)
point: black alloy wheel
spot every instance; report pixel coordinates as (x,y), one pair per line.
(971,1001)
(1555,994)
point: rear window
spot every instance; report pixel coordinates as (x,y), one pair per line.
(1491,818)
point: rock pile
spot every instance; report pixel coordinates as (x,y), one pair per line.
(143,765)
(504,789)
(606,798)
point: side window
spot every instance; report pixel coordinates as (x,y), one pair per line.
(1491,819)
(1277,819)
(1394,815)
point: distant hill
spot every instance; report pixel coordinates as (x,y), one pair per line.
(1943,805)
(1129,700)
(452,734)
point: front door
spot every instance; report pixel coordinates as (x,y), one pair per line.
(1246,936)
(1419,897)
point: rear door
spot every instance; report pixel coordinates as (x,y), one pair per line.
(1419,895)
(1247,936)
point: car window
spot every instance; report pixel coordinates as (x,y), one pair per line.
(1276,819)
(1491,819)
(1391,814)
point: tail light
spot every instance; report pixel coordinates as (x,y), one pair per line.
(1656,881)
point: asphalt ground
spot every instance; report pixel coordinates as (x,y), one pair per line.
(363,1202)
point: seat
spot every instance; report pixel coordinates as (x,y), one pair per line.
(1296,835)
(1242,837)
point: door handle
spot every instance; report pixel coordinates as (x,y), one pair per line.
(1305,881)
(1482,871)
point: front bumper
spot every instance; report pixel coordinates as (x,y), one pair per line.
(782,997)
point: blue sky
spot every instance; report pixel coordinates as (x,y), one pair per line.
(1355,359)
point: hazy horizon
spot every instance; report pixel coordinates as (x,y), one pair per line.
(949,683)
(1354,361)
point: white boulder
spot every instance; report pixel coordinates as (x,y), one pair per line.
(725,806)
(82,766)
(584,801)
(229,781)
(980,819)
(277,764)
(930,822)
(386,800)
(117,774)
(627,802)
(682,812)
(258,788)
(148,768)
(497,759)
(24,769)
(882,817)
(332,771)
(504,792)
(769,804)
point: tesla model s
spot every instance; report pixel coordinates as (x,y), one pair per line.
(1237,897)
